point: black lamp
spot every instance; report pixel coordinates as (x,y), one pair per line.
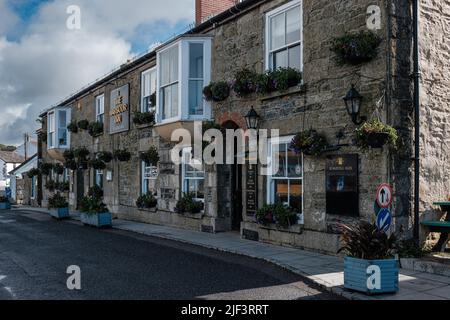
(353,102)
(252,119)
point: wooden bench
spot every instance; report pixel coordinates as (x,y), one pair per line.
(442,227)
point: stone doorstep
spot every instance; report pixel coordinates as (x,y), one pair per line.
(427,266)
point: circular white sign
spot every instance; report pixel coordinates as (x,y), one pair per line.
(384,195)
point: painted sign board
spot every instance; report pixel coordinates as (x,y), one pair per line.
(119,115)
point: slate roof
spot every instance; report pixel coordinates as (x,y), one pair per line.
(11,157)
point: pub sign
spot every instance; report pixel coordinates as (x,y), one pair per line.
(120,110)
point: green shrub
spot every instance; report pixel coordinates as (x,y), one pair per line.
(57,201)
(276,213)
(92,205)
(147,201)
(95,192)
(187,204)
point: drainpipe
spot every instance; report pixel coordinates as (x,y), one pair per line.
(416,119)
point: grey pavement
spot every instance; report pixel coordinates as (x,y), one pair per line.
(324,270)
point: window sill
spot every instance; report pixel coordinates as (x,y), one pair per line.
(298,228)
(144,125)
(280,94)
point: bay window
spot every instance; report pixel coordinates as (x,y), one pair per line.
(193,175)
(184,69)
(100,108)
(57,121)
(148,88)
(284,38)
(285,182)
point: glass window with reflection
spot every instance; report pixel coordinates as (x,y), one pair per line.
(193,173)
(196,80)
(169,83)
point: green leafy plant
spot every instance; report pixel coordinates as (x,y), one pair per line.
(375,134)
(187,204)
(71,165)
(45,168)
(83,124)
(69,154)
(4,199)
(151,156)
(58,168)
(51,185)
(141,118)
(91,206)
(245,82)
(216,91)
(97,164)
(122,155)
(363,240)
(285,78)
(81,153)
(105,156)
(277,213)
(309,142)
(146,201)
(62,186)
(95,129)
(356,48)
(73,127)
(33,173)
(57,201)
(95,192)
(410,249)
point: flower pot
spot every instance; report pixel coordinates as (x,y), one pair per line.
(60,213)
(358,275)
(377,139)
(99,220)
(5,205)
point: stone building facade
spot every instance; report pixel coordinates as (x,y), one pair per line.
(239,39)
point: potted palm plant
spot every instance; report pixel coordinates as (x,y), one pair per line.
(370,253)
(4,203)
(93,211)
(58,206)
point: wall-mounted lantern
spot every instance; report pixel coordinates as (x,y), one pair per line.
(353,102)
(252,119)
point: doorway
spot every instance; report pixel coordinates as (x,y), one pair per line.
(236,184)
(80,187)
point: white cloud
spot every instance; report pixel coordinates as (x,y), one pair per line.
(8,18)
(49,62)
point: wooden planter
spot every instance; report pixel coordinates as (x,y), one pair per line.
(60,213)
(377,139)
(5,205)
(356,275)
(99,220)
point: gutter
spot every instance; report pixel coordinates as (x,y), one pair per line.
(416,76)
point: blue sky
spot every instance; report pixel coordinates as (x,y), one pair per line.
(42,61)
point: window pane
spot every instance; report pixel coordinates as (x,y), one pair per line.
(277,29)
(174,93)
(195,186)
(294,165)
(196,60)
(196,97)
(281,155)
(62,119)
(295,195)
(294,57)
(281,191)
(62,137)
(293,25)
(169,66)
(170,101)
(280,60)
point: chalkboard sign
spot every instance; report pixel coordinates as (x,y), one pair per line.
(251,187)
(342,194)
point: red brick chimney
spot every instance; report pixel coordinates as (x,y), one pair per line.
(206,9)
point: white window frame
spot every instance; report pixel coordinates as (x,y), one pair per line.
(183,79)
(100,109)
(99,174)
(274,13)
(270,179)
(145,178)
(187,159)
(53,129)
(144,74)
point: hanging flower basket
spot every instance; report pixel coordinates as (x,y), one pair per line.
(375,134)
(45,168)
(141,118)
(122,155)
(309,142)
(95,129)
(97,164)
(105,156)
(356,48)
(33,173)
(58,168)
(216,91)
(73,127)
(151,156)
(83,124)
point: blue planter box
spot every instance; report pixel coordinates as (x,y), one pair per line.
(99,220)
(60,213)
(5,205)
(356,275)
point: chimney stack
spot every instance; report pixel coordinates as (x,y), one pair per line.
(206,9)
